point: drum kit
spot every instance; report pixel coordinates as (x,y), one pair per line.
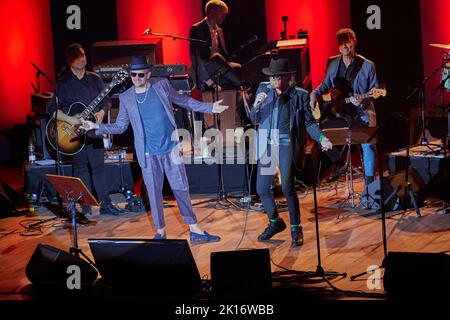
(445,64)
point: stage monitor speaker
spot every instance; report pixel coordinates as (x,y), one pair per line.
(417,275)
(241,274)
(49,266)
(151,268)
(394,191)
(9,199)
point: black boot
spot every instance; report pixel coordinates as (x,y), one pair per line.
(296,236)
(369,179)
(272,229)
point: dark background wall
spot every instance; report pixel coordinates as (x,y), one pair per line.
(98,23)
(396,51)
(244,19)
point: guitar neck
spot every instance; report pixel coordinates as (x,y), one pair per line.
(94,103)
(363,96)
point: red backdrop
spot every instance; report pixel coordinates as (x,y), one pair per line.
(26,36)
(173,17)
(435,29)
(321,18)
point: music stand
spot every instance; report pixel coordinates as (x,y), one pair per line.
(347,137)
(72,190)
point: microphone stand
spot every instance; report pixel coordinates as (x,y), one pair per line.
(222,197)
(59,172)
(320,272)
(149,31)
(38,73)
(382,209)
(420,90)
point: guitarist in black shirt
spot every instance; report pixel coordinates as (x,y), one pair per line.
(79,85)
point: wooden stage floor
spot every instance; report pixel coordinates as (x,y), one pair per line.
(350,244)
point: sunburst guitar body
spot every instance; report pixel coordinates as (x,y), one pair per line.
(71,139)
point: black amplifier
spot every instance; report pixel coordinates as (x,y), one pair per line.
(107,72)
(168,70)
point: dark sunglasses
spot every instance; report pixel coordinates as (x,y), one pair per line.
(138,74)
(276,77)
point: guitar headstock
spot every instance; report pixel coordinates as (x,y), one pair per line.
(378,92)
(119,77)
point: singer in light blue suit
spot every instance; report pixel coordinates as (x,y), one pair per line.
(148,107)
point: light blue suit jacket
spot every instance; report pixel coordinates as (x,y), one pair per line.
(365,80)
(129,113)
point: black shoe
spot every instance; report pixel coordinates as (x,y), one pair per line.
(272,229)
(86,210)
(297,236)
(339,169)
(369,179)
(109,208)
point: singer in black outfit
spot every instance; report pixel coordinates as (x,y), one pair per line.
(282,114)
(79,85)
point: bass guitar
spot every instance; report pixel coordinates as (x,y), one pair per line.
(333,103)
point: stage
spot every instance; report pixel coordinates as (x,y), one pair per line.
(350,244)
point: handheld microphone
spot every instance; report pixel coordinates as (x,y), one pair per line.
(260,99)
(147,31)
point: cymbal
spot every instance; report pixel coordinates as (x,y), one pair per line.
(439,45)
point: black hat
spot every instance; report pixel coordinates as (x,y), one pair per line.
(139,62)
(278,67)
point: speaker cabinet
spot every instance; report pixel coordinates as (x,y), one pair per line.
(150,268)
(48,266)
(417,275)
(394,191)
(9,199)
(241,274)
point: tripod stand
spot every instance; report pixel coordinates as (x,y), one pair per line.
(421,99)
(349,136)
(222,197)
(73,190)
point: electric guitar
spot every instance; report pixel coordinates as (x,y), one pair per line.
(333,103)
(71,139)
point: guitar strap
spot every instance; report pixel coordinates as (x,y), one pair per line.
(356,67)
(345,85)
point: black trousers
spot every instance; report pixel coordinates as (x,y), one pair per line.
(287,172)
(89,166)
